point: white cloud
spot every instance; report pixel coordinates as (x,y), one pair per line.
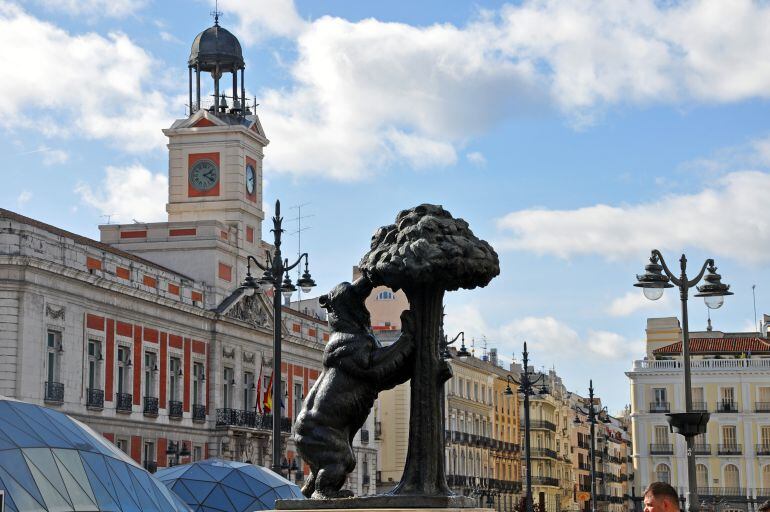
(127,194)
(95,8)
(24,197)
(55,156)
(356,82)
(102,91)
(721,220)
(543,334)
(476,158)
(635,301)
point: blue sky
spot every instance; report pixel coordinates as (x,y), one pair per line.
(574,136)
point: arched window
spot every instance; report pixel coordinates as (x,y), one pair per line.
(732,478)
(385,295)
(702,474)
(663,473)
(766,477)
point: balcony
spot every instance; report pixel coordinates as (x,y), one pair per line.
(661,449)
(248,419)
(727,406)
(95,399)
(761,406)
(198,412)
(364,436)
(53,392)
(151,406)
(545,480)
(584,445)
(730,449)
(152,467)
(700,407)
(714,492)
(365,480)
(660,407)
(123,402)
(175,409)
(543,453)
(702,449)
(585,466)
(542,425)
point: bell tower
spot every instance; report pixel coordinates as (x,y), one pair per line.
(215,154)
(215,176)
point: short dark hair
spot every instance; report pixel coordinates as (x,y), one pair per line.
(764,507)
(662,490)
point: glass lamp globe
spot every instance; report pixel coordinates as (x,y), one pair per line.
(714,301)
(653,293)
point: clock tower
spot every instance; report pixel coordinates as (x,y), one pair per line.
(214,173)
(215,154)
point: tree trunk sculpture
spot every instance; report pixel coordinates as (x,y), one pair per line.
(425,253)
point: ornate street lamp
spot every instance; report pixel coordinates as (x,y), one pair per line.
(592,414)
(655,279)
(462,353)
(273,272)
(527,387)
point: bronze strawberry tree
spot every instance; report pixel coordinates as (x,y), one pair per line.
(426,253)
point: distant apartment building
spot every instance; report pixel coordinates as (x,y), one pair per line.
(731,381)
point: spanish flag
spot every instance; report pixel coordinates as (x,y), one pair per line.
(267,405)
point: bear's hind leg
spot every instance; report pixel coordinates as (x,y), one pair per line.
(329,481)
(309,488)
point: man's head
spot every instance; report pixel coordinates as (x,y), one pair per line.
(765,507)
(660,497)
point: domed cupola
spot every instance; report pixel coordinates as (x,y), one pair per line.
(217,51)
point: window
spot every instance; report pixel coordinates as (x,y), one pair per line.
(298,397)
(698,402)
(702,474)
(249,390)
(476,391)
(732,477)
(198,380)
(663,473)
(149,452)
(385,295)
(122,445)
(175,371)
(227,387)
(727,397)
(94,364)
(766,477)
(764,437)
(661,434)
(52,356)
(197,453)
(150,367)
(729,436)
(659,395)
(124,367)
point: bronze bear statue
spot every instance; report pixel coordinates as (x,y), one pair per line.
(355,369)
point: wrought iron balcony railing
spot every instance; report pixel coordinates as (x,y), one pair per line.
(730,449)
(54,392)
(151,406)
(545,480)
(249,419)
(702,449)
(198,412)
(727,406)
(761,406)
(123,402)
(660,407)
(542,425)
(95,398)
(543,452)
(661,449)
(175,408)
(152,467)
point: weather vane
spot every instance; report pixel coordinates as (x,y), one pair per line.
(216,13)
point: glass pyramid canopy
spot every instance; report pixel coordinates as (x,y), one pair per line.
(51,462)
(215,485)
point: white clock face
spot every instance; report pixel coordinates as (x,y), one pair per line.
(251,179)
(204,174)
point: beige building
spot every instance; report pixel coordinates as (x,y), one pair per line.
(730,380)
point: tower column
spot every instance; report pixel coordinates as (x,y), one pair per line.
(198,86)
(243,95)
(189,82)
(235,87)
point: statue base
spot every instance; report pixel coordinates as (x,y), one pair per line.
(382,501)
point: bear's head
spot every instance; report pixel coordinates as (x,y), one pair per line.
(345,306)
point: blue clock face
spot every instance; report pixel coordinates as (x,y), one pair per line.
(204,174)
(251,179)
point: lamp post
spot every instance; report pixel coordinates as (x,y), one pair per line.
(275,268)
(174,450)
(592,414)
(526,387)
(655,279)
